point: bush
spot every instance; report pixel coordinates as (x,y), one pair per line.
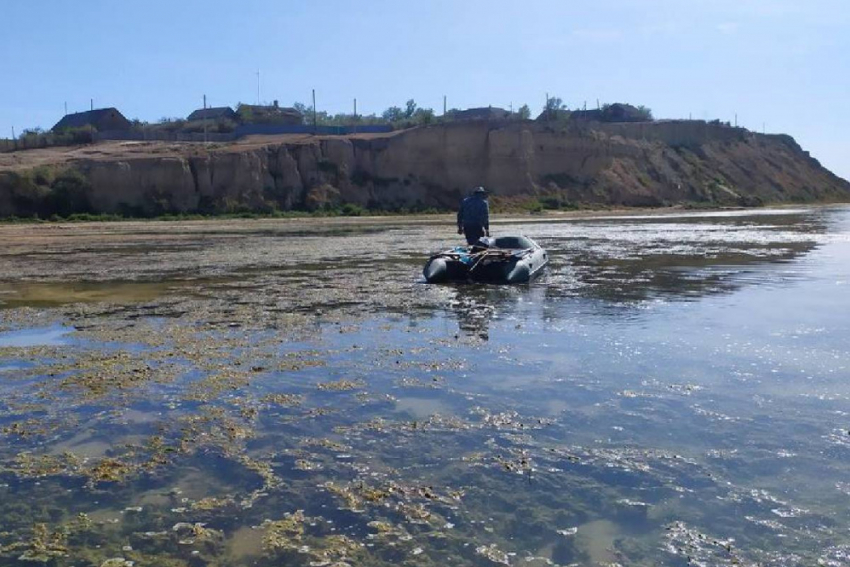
(169,125)
(38,138)
(750,201)
(73,136)
(90,217)
(69,194)
(556,203)
(225,126)
(352,210)
(535,207)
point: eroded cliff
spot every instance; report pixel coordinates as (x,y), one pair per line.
(643,164)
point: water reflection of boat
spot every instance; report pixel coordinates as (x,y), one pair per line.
(507,259)
(474,313)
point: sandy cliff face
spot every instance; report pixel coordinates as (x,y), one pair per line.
(617,164)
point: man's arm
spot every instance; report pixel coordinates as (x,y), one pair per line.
(486,218)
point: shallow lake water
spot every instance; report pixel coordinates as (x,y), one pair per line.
(674,390)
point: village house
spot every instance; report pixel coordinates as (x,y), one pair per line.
(269,114)
(101,119)
(616,112)
(482,113)
(213,113)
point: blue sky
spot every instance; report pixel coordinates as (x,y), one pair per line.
(784,64)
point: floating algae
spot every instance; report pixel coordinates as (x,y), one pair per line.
(341,385)
(28,465)
(117,562)
(285,400)
(43,546)
(288,538)
(109,470)
(493,553)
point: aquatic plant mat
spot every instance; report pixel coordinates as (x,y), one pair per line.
(673,391)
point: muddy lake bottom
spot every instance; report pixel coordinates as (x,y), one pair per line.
(674,390)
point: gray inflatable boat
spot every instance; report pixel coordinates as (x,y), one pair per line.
(506,259)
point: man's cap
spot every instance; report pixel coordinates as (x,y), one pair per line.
(480,190)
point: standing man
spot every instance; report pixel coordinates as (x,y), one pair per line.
(473,217)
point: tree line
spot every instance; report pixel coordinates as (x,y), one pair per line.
(399,117)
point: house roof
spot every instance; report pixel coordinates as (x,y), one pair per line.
(622,112)
(270,109)
(82,119)
(212,113)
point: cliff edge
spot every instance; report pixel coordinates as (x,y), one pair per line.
(580,163)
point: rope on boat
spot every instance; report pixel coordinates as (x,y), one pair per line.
(496,253)
(479,257)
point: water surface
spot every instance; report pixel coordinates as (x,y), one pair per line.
(673,391)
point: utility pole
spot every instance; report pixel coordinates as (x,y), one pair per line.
(205,119)
(355,115)
(585,106)
(91,104)
(258,87)
(597,104)
(736,120)
(444,105)
(546,108)
(66,108)
(315,121)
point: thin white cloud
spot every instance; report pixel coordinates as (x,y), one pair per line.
(728,28)
(597,35)
(662,28)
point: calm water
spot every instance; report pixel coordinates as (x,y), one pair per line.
(673,391)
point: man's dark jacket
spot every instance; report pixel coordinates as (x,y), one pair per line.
(474,213)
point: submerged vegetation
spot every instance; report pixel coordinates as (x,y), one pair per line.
(274,403)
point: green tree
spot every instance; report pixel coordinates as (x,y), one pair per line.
(524,112)
(645,113)
(423,116)
(410,108)
(393,114)
(555,109)
(554,104)
(321,116)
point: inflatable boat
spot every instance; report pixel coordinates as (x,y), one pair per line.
(507,259)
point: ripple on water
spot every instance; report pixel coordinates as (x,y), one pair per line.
(53,335)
